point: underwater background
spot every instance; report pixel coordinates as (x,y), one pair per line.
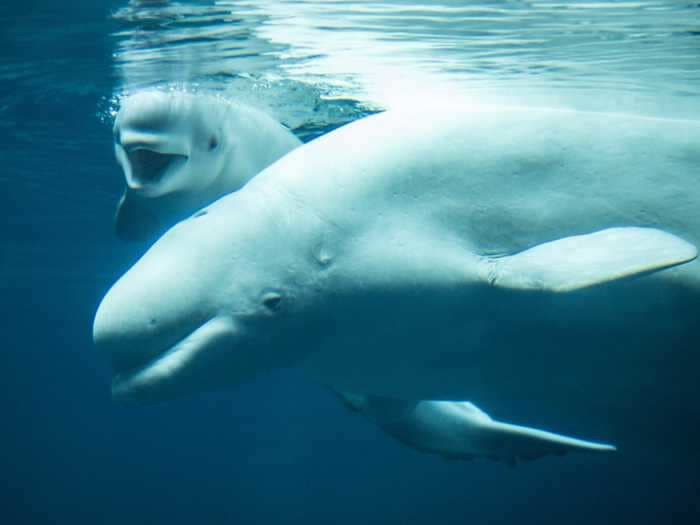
(281,450)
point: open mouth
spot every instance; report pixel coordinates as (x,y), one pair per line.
(149,167)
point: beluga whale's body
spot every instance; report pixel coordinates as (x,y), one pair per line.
(180,151)
(472,253)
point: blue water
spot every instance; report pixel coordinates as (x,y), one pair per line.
(281,450)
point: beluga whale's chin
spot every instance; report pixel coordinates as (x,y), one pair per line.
(472,254)
(181,151)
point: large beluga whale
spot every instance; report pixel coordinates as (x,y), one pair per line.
(475,253)
(461,430)
(180,151)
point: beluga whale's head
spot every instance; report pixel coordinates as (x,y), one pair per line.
(166,142)
(210,304)
(181,151)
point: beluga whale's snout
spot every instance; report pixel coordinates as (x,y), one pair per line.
(146,367)
(157,324)
(148,341)
(157,355)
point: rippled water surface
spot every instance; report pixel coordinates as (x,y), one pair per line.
(295,57)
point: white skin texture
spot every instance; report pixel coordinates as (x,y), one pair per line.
(475,253)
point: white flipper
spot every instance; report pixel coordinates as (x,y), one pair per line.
(461,430)
(514,443)
(581,261)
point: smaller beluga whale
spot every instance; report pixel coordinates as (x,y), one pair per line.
(180,151)
(460,430)
(469,253)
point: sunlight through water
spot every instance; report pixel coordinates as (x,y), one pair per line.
(315,63)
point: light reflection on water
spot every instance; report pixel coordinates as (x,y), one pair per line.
(298,59)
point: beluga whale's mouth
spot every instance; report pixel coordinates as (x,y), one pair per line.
(149,167)
(172,369)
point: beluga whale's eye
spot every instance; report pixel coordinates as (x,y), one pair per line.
(213,142)
(272,301)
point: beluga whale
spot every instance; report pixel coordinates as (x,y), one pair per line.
(476,253)
(461,430)
(180,151)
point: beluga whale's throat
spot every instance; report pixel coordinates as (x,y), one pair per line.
(148,167)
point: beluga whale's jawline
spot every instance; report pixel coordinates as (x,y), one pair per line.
(168,365)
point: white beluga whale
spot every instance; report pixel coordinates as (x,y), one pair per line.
(460,430)
(476,253)
(180,151)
